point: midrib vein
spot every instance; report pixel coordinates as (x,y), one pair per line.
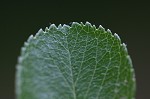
(71,70)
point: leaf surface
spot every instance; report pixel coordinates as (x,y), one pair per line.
(74,62)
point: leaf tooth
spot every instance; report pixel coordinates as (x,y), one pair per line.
(88,24)
(109,31)
(117,36)
(66,26)
(46,29)
(94,27)
(125,47)
(30,38)
(65,29)
(74,24)
(18,80)
(70,23)
(131,69)
(20,59)
(101,28)
(23,49)
(26,44)
(59,26)
(130,62)
(52,27)
(39,32)
(82,23)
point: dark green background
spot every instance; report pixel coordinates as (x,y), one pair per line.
(131,20)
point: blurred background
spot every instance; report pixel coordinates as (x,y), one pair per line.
(131,20)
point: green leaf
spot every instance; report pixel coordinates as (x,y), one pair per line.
(75,62)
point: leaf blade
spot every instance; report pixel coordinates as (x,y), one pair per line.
(77,62)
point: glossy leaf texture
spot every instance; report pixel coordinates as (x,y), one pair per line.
(74,62)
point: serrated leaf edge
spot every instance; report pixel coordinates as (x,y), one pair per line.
(60,27)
